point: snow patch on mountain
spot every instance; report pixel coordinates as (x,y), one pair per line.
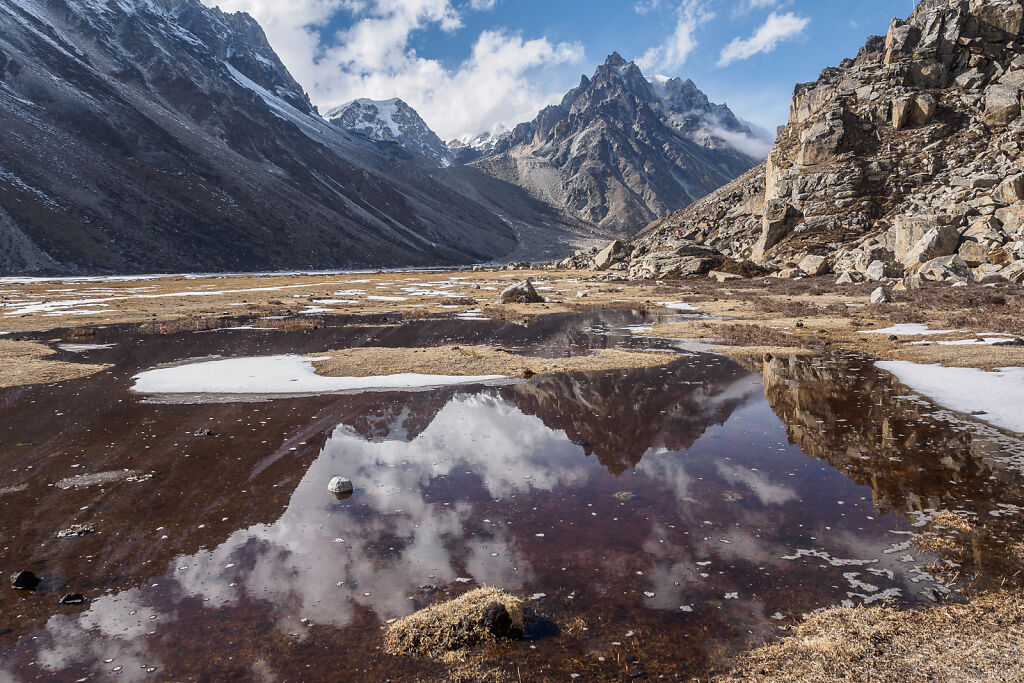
(391,121)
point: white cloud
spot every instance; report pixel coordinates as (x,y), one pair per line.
(777,28)
(672,54)
(373,57)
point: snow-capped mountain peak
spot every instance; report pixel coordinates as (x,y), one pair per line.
(391,121)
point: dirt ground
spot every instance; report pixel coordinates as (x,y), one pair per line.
(475,361)
(750,316)
(27,362)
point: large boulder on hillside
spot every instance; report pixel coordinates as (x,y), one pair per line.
(821,142)
(1002,104)
(779,220)
(946,269)
(616,252)
(941,240)
(814,264)
(1014,272)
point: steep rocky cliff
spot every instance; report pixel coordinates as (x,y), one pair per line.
(904,162)
(163,135)
(621,150)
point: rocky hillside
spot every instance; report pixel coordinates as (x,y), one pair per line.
(391,121)
(904,162)
(163,135)
(621,150)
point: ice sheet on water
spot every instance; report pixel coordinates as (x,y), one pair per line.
(995,397)
(282,375)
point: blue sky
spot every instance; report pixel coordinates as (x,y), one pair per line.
(470,65)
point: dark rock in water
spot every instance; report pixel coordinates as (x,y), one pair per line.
(74,599)
(203,432)
(521,293)
(25,581)
(497,620)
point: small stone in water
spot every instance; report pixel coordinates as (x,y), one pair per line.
(340,486)
(25,581)
(73,599)
(626,496)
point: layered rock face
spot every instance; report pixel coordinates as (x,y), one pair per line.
(905,162)
(620,150)
(163,135)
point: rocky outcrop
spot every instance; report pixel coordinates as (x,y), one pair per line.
(621,150)
(904,162)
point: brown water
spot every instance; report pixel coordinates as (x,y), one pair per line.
(757,491)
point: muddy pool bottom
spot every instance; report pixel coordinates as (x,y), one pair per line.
(656,522)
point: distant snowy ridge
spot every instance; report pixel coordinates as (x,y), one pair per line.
(391,121)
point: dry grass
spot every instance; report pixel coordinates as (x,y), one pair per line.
(31,362)
(979,641)
(446,630)
(475,361)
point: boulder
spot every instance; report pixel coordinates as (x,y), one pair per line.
(521,293)
(923,110)
(1010,190)
(849,277)
(940,241)
(901,112)
(813,265)
(907,231)
(876,270)
(881,296)
(1002,104)
(610,255)
(821,142)
(973,253)
(1014,272)
(988,231)
(946,269)
(778,221)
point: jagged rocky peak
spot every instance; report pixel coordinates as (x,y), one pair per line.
(392,121)
(902,163)
(617,154)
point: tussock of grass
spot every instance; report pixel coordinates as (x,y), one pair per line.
(441,631)
(979,641)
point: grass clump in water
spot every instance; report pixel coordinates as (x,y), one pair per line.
(441,631)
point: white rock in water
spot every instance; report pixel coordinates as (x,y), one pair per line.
(340,485)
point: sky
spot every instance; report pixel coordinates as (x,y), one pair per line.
(470,66)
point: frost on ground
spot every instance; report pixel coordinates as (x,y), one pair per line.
(679,306)
(281,375)
(995,397)
(910,330)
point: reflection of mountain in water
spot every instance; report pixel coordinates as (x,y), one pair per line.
(621,416)
(918,459)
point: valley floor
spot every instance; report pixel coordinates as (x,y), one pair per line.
(974,328)
(971,327)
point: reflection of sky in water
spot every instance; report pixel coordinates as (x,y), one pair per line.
(449,503)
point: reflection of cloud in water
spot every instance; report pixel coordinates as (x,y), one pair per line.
(394,540)
(768,492)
